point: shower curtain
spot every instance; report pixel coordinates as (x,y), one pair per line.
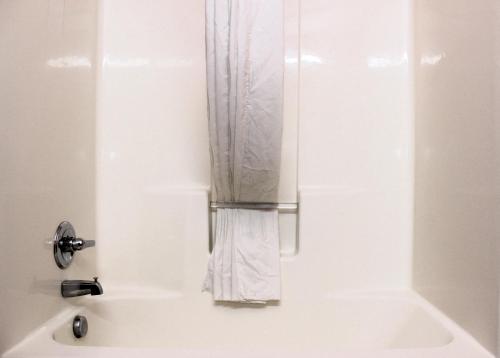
(245,94)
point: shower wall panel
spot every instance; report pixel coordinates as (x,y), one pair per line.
(356,141)
(152,138)
(457,161)
(47,121)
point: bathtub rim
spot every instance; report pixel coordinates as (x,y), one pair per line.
(41,342)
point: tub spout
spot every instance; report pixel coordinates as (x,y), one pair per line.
(74,288)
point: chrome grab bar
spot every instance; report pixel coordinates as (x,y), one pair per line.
(286,208)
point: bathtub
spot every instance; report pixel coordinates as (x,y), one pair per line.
(393,324)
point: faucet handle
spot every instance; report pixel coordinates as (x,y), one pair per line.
(66,243)
(80,244)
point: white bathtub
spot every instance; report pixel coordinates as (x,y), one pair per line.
(170,325)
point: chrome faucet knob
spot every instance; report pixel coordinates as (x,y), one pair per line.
(66,244)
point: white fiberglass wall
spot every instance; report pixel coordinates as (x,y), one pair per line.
(354,168)
(47,147)
(457,161)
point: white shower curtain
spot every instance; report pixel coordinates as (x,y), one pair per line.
(245,95)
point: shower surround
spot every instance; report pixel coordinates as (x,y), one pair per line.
(348,150)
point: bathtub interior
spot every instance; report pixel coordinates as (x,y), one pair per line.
(349,323)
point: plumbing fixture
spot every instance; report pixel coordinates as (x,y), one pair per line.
(74,288)
(66,244)
(80,326)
